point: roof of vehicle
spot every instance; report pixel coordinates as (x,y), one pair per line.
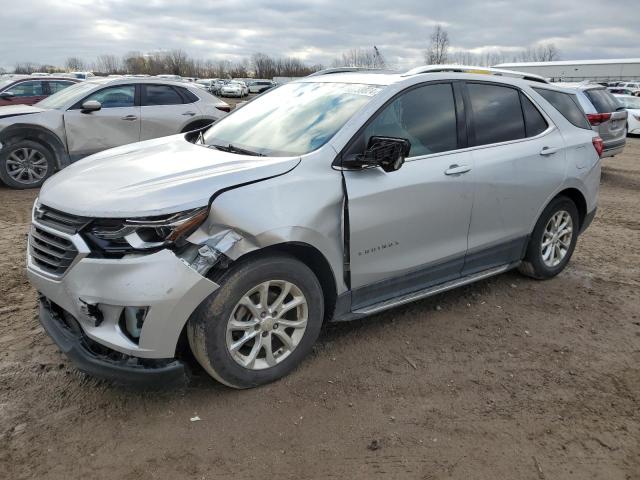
(127,80)
(570,62)
(586,85)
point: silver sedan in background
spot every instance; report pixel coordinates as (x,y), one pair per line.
(101,113)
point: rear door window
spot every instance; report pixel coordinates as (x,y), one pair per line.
(602,100)
(497,114)
(567,105)
(32,88)
(160,95)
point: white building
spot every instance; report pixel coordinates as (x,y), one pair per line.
(578,70)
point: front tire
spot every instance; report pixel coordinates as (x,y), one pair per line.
(261,322)
(25,164)
(553,240)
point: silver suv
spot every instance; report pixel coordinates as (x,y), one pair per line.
(606,115)
(330,198)
(95,115)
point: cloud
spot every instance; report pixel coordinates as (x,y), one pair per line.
(48,31)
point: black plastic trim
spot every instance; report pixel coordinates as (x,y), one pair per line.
(171,375)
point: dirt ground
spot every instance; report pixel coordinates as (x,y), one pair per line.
(509,378)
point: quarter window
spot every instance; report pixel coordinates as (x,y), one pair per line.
(534,122)
(161,95)
(113,97)
(426,116)
(497,114)
(27,89)
(567,105)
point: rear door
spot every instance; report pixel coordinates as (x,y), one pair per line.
(116,123)
(408,229)
(519,160)
(165,111)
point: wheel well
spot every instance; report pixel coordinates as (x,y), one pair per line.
(48,139)
(581,204)
(313,259)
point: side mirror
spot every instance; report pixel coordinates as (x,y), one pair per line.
(7,95)
(387,153)
(91,106)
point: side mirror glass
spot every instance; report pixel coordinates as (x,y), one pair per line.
(91,106)
(7,95)
(387,153)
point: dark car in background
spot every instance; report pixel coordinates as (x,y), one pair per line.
(30,90)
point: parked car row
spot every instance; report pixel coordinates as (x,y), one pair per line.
(632,104)
(94,115)
(626,88)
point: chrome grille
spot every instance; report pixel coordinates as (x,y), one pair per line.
(50,252)
(65,222)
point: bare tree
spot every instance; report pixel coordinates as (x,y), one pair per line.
(546,52)
(107,64)
(380,62)
(360,57)
(438,49)
(178,62)
(74,64)
(26,68)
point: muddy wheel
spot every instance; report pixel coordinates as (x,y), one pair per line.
(553,240)
(260,323)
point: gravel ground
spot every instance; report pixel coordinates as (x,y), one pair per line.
(509,378)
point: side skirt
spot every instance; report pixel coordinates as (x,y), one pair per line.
(411,297)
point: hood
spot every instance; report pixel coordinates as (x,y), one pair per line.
(155,177)
(13,110)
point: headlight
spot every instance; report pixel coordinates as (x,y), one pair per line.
(146,233)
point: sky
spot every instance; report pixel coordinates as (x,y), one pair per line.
(49,31)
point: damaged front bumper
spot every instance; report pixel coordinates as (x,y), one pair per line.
(97,361)
(136,306)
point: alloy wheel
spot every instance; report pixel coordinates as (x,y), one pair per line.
(26,165)
(267,324)
(556,238)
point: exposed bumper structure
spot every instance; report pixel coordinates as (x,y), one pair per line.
(126,371)
(97,292)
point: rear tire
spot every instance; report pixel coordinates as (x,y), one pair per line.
(553,240)
(238,335)
(25,163)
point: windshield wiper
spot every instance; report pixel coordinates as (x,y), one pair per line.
(233,149)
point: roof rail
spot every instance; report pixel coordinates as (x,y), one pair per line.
(471,69)
(327,71)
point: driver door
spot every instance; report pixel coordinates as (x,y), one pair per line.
(116,123)
(408,228)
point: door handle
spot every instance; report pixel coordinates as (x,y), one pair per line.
(189,114)
(549,150)
(456,169)
(130,118)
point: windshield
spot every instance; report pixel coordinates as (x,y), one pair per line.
(69,95)
(4,83)
(630,102)
(293,119)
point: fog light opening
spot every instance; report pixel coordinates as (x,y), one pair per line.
(131,322)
